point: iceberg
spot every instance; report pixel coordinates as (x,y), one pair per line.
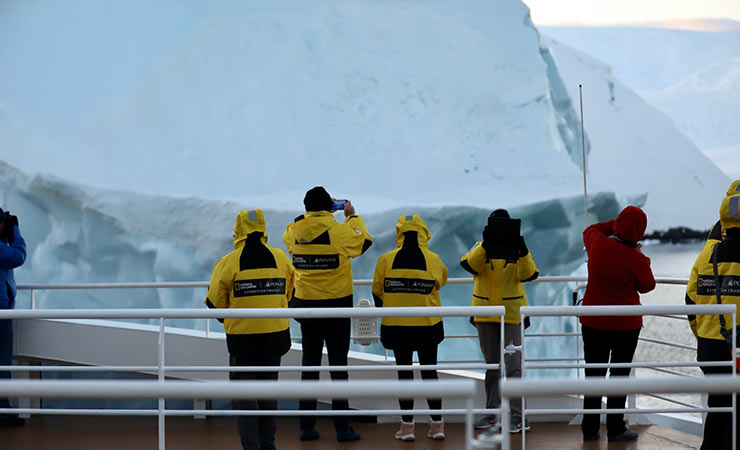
(403,106)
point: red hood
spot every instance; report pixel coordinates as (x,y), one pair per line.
(630,224)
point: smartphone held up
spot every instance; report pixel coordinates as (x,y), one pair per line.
(338,205)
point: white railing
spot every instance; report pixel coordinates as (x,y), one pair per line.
(163,314)
(662,310)
(512,388)
(528,364)
(464,389)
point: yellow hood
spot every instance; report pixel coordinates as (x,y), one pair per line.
(312,225)
(729,212)
(248,222)
(734,188)
(412,223)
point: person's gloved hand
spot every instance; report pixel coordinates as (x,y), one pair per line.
(527,323)
(522,247)
(487,238)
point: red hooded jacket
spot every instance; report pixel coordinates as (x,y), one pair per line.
(617,270)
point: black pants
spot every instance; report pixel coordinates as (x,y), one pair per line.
(427,355)
(335,333)
(6,356)
(718,426)
(604,346)
(255,432)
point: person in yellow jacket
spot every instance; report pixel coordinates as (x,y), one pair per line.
(700,290)
(498,281)
(412,275)
(254,275)
(321,249)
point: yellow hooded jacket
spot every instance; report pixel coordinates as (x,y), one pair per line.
(321,248)
(254,275)
(396,285)
(701,287)
(499,282)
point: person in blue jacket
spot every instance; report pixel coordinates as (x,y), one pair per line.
(12,255)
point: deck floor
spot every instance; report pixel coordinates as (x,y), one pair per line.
(184,433)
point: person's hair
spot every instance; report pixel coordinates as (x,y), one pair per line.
(317,199)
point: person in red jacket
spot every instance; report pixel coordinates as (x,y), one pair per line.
(617,273)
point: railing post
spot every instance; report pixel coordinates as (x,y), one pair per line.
(524,376)
(469,423)
(632,400)
(33,299)
(28,402)
(505,436)
(160,378)
(734,374)
(502,359)
(208,322)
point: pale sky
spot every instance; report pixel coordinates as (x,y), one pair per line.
(602,12)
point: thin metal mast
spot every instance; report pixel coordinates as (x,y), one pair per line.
(583,150)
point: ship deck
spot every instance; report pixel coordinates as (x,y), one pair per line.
(183,433)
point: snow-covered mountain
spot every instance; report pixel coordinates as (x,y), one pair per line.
(691,76)
(636,148)
(706,105)
(650,58)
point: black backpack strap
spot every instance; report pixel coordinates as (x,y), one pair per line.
(717,286)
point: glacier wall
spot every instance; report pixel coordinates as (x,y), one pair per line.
(83,234)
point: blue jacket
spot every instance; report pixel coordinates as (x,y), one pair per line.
(11,256)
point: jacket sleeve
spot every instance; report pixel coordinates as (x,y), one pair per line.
(289,276)
(690,298)
(474,260)
(596,232)
(355,238)
(378,280)
(443,272)
(14,254)
(288,239)
(645,279)
(526,268)
(218,288)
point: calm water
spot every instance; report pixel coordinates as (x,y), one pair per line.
(668,260)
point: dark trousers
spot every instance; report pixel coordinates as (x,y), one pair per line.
(427,355)
(604,346)
(335,333)
(718,425)
(255,432)
(6,355)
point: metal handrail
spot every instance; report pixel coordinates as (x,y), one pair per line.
(163,314)
(204,284)
(513,388)
(244,389)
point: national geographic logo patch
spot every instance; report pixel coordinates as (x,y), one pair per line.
(408,286)
(262,286)
(315,262)
(729,285)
